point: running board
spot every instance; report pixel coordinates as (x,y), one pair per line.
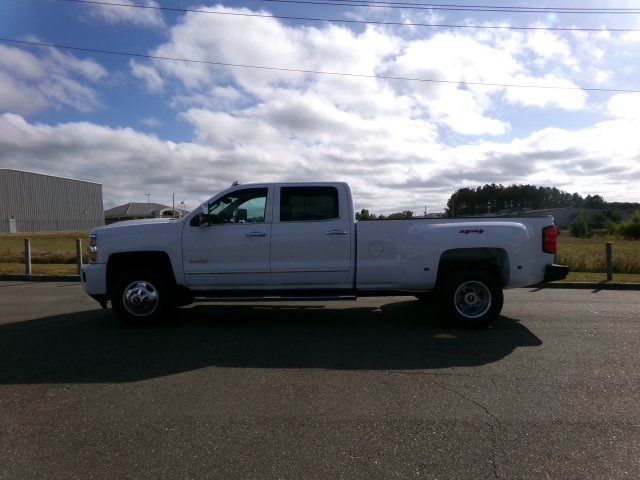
(278,298)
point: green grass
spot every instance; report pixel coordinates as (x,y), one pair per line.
(39,269)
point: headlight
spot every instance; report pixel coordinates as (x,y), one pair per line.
(93,248)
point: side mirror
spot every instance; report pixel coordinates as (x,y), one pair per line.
(203,218)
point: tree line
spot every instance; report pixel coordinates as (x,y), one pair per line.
(364,214)
(494,198)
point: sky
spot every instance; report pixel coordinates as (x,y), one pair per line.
(375,118)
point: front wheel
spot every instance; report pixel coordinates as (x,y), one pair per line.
(141,297)
(472,298)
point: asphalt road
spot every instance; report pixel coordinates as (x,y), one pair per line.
(378,388)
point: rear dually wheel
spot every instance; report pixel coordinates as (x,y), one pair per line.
(472,298)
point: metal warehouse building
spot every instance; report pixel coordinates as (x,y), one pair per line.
(33,202)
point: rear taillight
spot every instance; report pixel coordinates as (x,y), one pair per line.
(93,248)
(550,239)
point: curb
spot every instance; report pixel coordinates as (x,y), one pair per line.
(40,278)
(590,285)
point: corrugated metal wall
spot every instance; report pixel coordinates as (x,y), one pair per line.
(31,202)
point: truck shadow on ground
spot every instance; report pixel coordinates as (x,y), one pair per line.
(93,346)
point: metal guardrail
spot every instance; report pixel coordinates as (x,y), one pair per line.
(27,256)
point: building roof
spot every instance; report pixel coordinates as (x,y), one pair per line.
(46,175)
(142,209)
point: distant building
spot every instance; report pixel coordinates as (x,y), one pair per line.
(34,202)
(135,211)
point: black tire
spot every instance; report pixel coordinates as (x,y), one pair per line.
(141,297)
(472,298)
(425,297)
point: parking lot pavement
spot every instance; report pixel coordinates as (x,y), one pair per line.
(378,388)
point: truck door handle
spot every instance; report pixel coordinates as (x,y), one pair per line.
(256,234)
(336,232)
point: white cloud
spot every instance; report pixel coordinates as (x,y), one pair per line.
(21,63)
(403,168)
(549,46)
(52,79)
(15,96)
(148,74)
(151,122)
(568,97)
(625,105)
(142,17)
(484,57)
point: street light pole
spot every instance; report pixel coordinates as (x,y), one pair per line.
(173,204)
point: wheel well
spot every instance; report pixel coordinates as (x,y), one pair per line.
(121,262)
(495,260)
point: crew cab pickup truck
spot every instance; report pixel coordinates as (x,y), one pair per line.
(284,241)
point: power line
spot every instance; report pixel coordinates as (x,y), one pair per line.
(313,72)
(471,6)
(348,21)
(459,7)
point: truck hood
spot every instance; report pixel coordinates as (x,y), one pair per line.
(142,221)
(136,224)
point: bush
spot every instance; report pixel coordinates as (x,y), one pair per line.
(579,226)
(611,227)
(631,228)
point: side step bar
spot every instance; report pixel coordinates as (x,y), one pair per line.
(277,298)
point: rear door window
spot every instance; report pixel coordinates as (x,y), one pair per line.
(305,204)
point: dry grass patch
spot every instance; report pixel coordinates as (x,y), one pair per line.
(45,247)
(588,254)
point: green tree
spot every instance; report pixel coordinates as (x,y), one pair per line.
(631,228)
(579,226)
(406,215)
(493,198)
(594,201)
(365,215)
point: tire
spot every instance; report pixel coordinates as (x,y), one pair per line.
(141,297)
(472,298)
(425,297)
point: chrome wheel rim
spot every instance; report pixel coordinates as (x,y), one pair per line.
(140,298)
(472,299)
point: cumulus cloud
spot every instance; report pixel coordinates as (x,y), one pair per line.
(53,79)
(142,17)
(625,105)
(410,173)
(463,108)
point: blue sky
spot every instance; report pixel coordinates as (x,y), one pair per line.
(146,125)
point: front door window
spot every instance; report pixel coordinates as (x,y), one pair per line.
(241,206)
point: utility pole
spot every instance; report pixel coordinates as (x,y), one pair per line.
(173,204)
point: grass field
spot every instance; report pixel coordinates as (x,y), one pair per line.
(46,248)
(588,254)
(55,253)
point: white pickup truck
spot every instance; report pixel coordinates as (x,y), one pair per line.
(300,241)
